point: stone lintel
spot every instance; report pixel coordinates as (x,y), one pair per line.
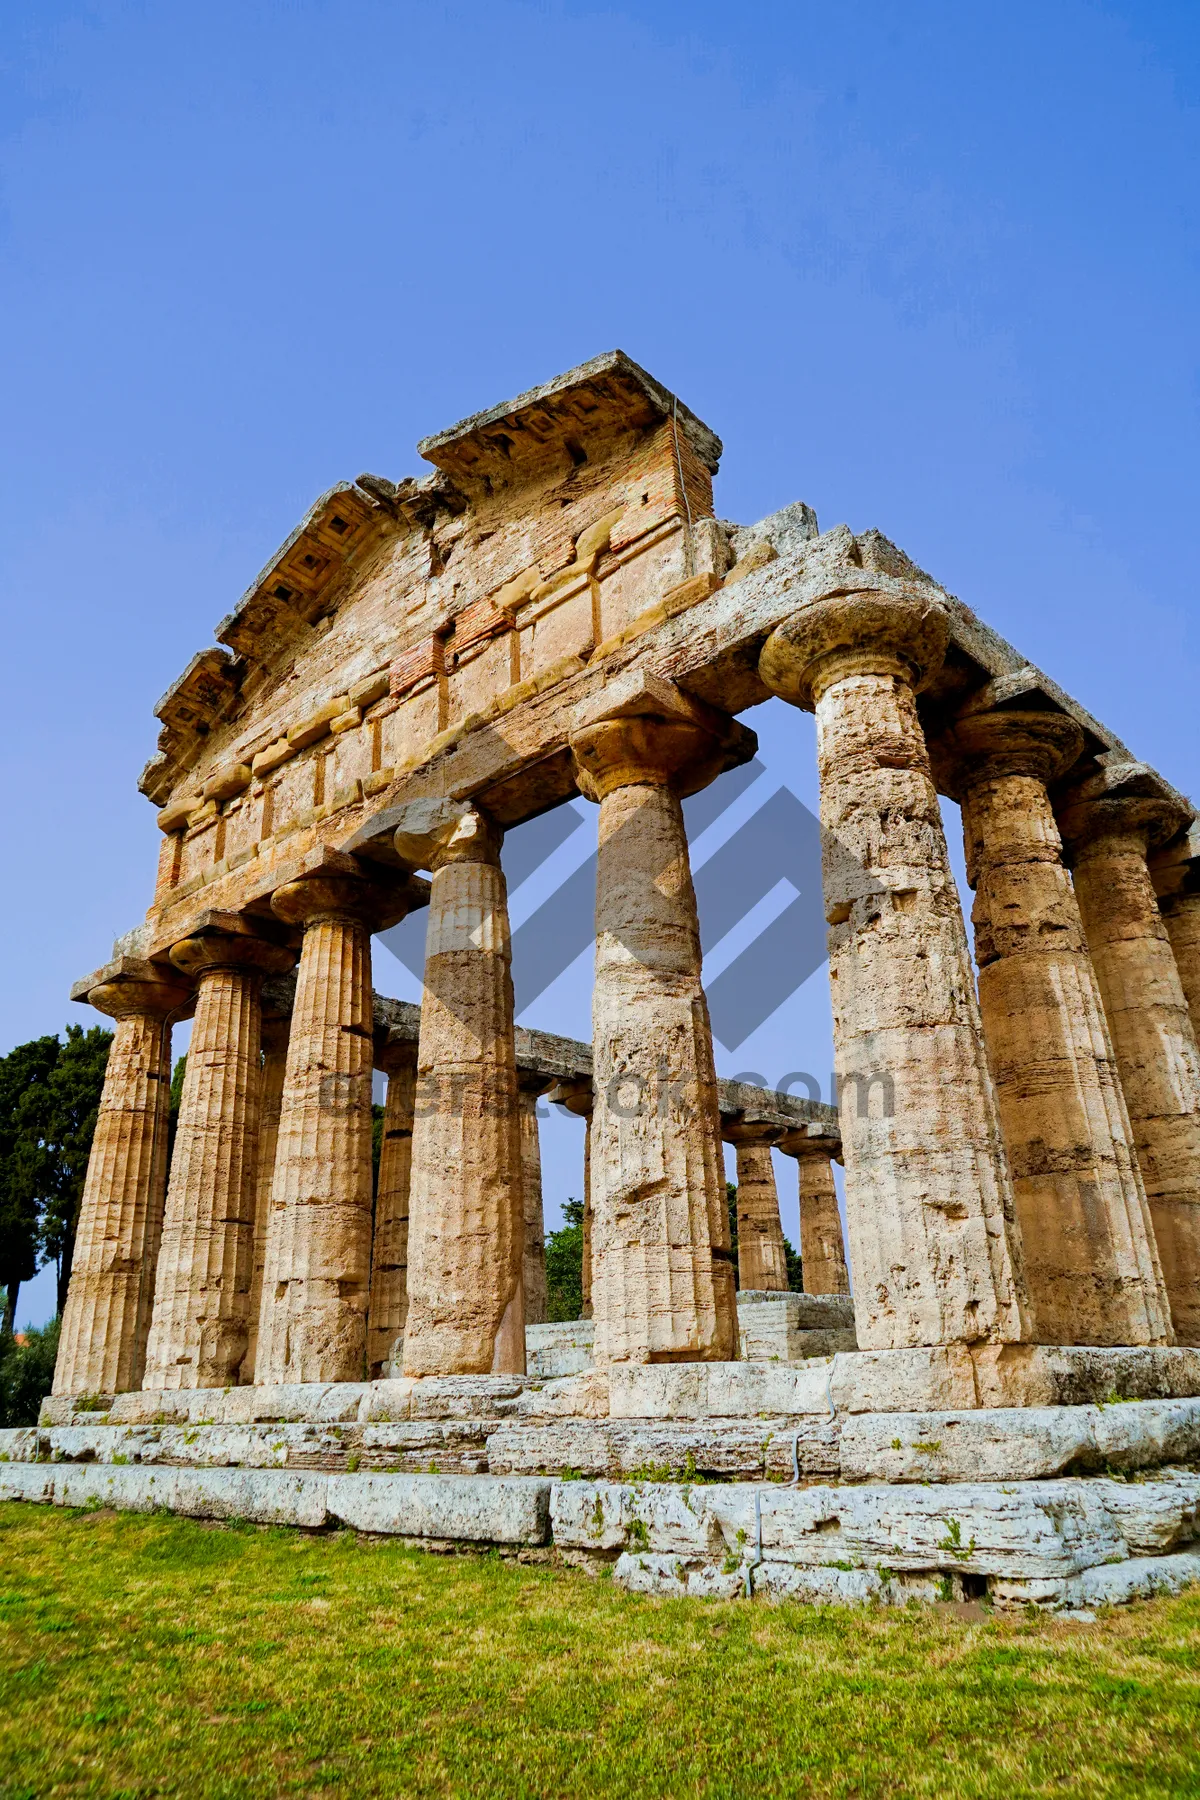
(608,394)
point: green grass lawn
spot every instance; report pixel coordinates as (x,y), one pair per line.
(145,1656)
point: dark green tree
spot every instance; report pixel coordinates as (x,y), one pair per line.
(49,1097)
(24,1163)
(564,1265)
(26,1373)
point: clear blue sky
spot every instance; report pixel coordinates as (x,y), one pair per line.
(931,267)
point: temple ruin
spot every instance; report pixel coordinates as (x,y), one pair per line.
(556,610)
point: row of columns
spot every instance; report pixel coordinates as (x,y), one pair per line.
(1037,1177)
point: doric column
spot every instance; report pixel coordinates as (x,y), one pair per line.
(762,1265)
(274,1067)
(929,1202)
(576,1096)
(466,1216)
(1176,873)
(313,1319)
(199,1329)
(662,1268)
(1090,1260)
(822,1252)
(530,1087)
(102,1349)
(389,1247)
(1108,834)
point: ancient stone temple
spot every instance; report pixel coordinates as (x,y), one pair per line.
(554,610)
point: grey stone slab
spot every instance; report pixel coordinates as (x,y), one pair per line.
(1028,1529)
(583,1396)
(717,1390)
(26,1481)
(1139,1578)
(262,1496)
(462,1508)
(602,1515)
(662,1449)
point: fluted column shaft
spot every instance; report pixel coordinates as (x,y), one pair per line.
(585,1283)
(389,1249)
(274,1069)
(1152,1032)
(929,1202)
(199,1330)
(466,1210)
(313,1317)
(1181,916)
(530,1089)
(662,1267)
(1090,1257)
(102,1347)
(762,1265)
(576,1096)
(822,1251)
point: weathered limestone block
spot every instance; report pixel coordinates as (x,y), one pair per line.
(725,1449)
(719,1390)
(1018,1444)
(822,1252)
(1138,1579)
(531,1086)
(470,1509)
(1090,1258)
(559,1348)
(107,1316)
(313,1318)
(1152,1030)
(583,1396)
(19,1443)
(199,1328)
(793,1327)
(466,1209)
(274,1069)
(389,1246)
(662,1269)
(1000,1375)
(933,1241)
(762,1264)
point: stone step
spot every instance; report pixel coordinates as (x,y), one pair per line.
(561,1425)
(1065,1543)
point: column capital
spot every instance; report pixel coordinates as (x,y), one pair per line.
(129,986)
(376,904)
(751,1131)
(394,1055)
(803,1144)
(987,746)
(894,631)
(576,1096)
(218,946)
(432,833)
(642,731)
(1087,817)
